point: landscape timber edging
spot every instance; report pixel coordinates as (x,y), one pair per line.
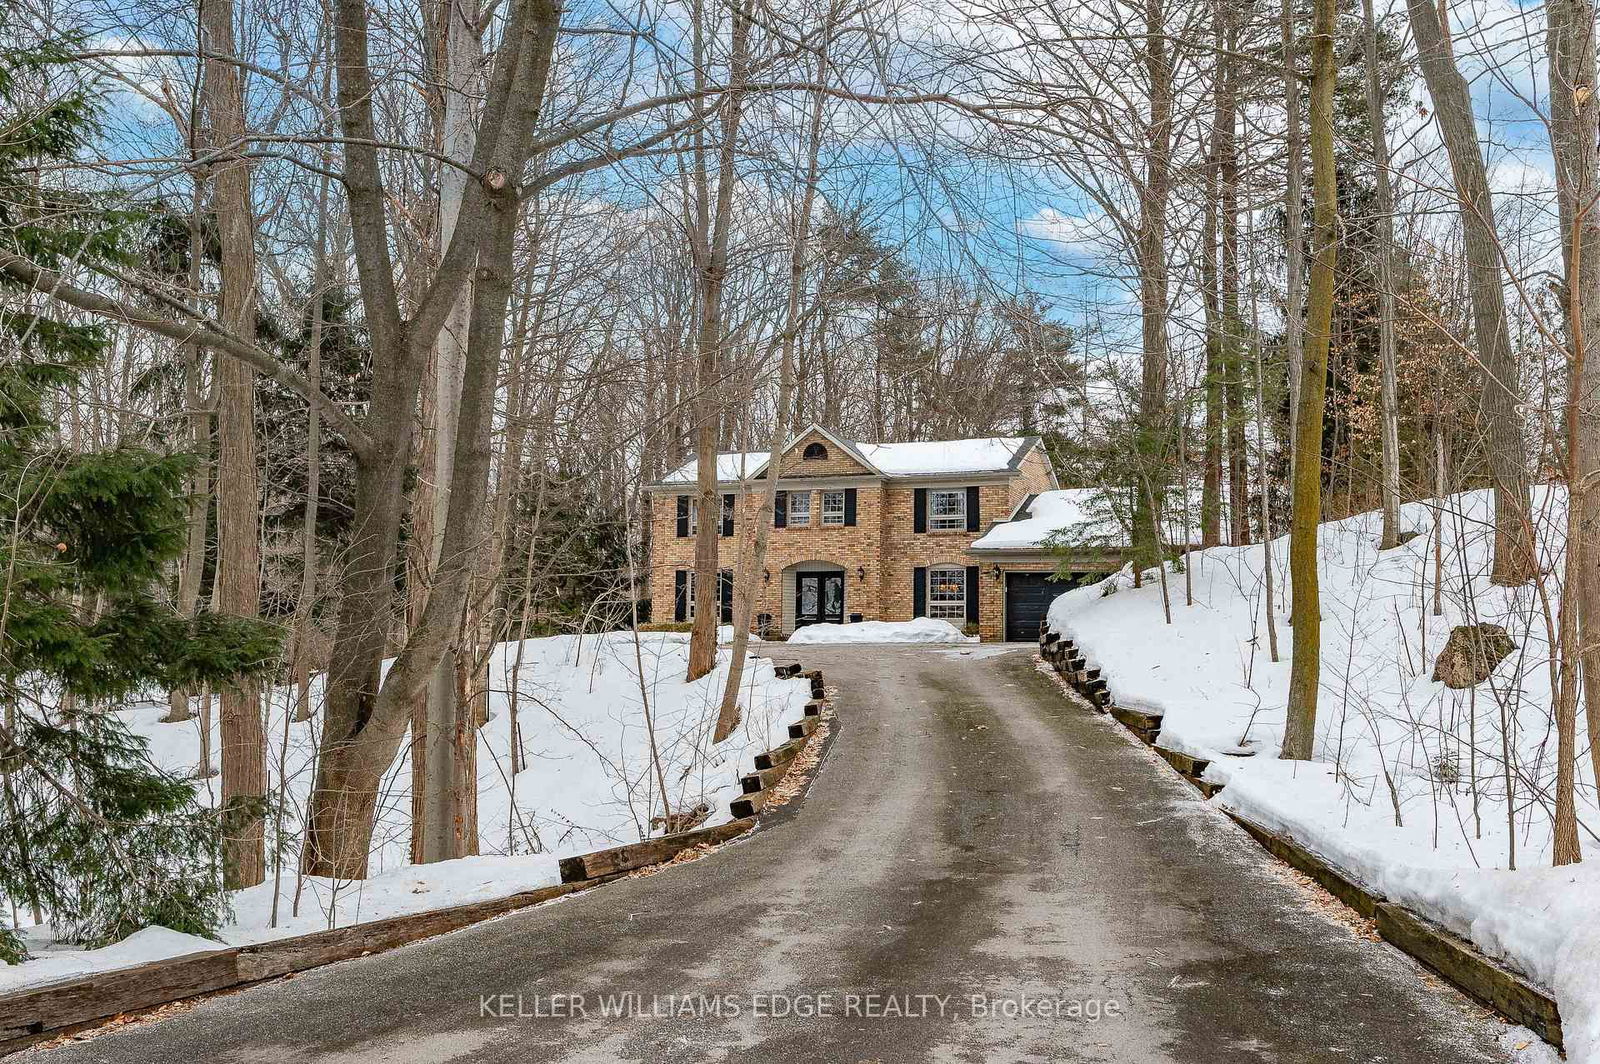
(69,1005)
(772,766)
(1485,980)
(78,1003)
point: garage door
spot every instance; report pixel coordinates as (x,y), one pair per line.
(1028,596)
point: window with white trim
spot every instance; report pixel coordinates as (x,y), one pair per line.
(947,593)
(727,509)
(947,510)
(799,508)
(833,507)
(688,595)
(694,515)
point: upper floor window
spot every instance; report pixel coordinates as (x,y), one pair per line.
(947,510)
(833,507)
(727,510)
(800,508)
(694,515)
(947,593)
(814,451)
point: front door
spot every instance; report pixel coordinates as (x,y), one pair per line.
(818,598)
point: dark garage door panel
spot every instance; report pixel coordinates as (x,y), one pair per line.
(1028,597)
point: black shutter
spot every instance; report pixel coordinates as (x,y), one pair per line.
(972,509)
(727,515)
(919,513)
(780,509)
(972,582)
(919,588)
(725,592)
(683,517)
(849,506)
(680,595)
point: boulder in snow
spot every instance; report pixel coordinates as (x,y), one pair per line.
(1470,655)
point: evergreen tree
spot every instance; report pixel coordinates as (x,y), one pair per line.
(92,835)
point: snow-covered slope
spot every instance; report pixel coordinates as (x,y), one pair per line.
(588,783)
(1392,744)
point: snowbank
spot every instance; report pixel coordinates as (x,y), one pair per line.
(586,781)
(921,630)
(1410,790)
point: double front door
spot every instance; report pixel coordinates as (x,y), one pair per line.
(818,598)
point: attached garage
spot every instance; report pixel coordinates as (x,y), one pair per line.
(1028,598)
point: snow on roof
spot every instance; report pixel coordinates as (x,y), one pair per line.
(734,466)
(1074,511)
(947,456)
(993,455)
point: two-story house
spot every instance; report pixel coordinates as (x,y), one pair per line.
(865,532)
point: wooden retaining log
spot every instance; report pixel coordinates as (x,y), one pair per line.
(764,779)
(803,727)
(1458,961)
(748,805)
(784,672)
(648,852)
(29,1016)
(814,707)
(1145,725)
(780,755)
(1296,856)
(1193,767)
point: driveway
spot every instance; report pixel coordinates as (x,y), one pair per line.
(982,871)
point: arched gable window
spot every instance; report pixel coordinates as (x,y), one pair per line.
(814,452)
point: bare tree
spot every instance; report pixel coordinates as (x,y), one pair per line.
(1514,558)
(1305,679)
(238,590)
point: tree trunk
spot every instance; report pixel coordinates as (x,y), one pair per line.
(1574,116)
(713,230)
(751,564)
(1300,731)
(1294,238)
(1514,559)
(1383,209)
(301,664)
(439,795)
(1211,480)
(1151,426)
(1232,359)
(238,591)
(366,722)
(197,420)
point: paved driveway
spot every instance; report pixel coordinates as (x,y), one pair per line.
(982,871)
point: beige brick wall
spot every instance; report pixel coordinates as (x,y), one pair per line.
(1033,476)
(839,463)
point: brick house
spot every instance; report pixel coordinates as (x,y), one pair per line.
(867,531)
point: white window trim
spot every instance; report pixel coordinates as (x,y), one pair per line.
(948,609)
(955,521)
(828,517)
(688,595)
(791,519)
(694,515)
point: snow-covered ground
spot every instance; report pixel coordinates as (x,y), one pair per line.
(1409,790)
(585,710)
(920,630)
